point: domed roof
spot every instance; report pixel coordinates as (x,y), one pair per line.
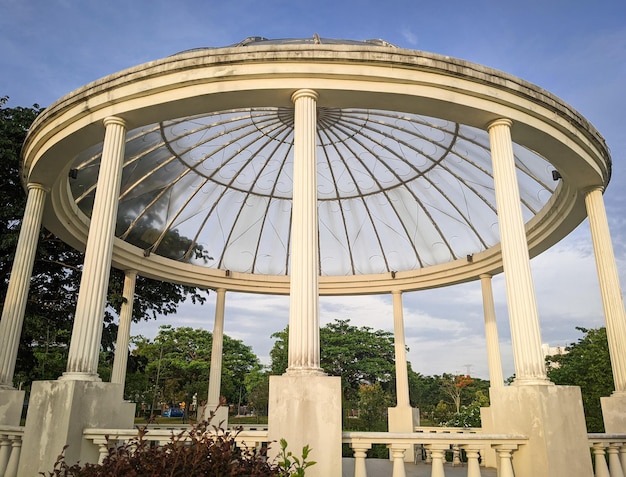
(396,191)
(405,189)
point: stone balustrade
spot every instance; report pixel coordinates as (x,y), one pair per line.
(609,450)
(10,448)
(609,454)
(105,438)
(437,445)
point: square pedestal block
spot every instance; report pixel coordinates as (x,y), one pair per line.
(553,419)
(306,410)
(58,411)
(404,419)
(614,413)
(11,405)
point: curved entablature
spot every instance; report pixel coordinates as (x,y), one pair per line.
(405,193)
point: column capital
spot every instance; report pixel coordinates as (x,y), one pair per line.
(37,186)
(594,188)
(114,120)
(304,93)
(485,275)
(500,122)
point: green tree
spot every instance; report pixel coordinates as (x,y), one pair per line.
(56,272)
(586,364)
(177,365)
(373,403)
(453,387)
(257,383)
(360,355)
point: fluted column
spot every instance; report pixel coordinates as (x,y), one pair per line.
(215,373)
(402,375)
(304,342)
(523,315)
(19,284)
(82,363)
(491,334)
(118,375)
(610,290)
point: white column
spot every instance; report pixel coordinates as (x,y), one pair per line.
(523,315)
(215,372)
(82,363)
(491,333)
(304,342)
(118,375)
(610,290)
(19,284)
(402,375)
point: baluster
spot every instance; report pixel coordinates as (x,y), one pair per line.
(504,459)
(5,452)
(472,453)
(103,449)
(397,454)
(622,456)
(483,454)
(615,467)
(360,453)
(602,469)
(438,456)
(16,448)
(456,455)
(429,457)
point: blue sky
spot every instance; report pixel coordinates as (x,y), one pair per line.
(575,49)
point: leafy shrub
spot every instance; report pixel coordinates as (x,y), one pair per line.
(200,450)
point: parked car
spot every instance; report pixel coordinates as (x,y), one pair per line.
(173,412)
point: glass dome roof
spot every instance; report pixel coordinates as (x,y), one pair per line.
(396,191)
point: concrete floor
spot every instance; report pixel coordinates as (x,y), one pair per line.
(383,468)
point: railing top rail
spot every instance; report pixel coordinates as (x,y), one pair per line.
(160,434)
(426,438)
(13,430)
(447,430)
(605,437)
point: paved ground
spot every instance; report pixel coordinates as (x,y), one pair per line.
(383,468)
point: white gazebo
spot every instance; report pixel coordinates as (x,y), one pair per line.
(306,168)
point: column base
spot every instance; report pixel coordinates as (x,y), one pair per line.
(404,419)
(553,419)
(11,405)
(77,376)
(614,413)
(58,411)
(306,410)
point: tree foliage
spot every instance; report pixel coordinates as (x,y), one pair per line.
(586,364)
(176,365)
(360,355)
(453,387)
(57,270)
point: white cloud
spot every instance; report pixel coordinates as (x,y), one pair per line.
(409,36)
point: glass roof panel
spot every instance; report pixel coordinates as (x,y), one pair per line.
(396,191)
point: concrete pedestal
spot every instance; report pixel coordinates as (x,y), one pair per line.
(488,454)
(614,413)
(11,404)
(552,418)
(404,419)
(58,411)
(220,416)
(306,410)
